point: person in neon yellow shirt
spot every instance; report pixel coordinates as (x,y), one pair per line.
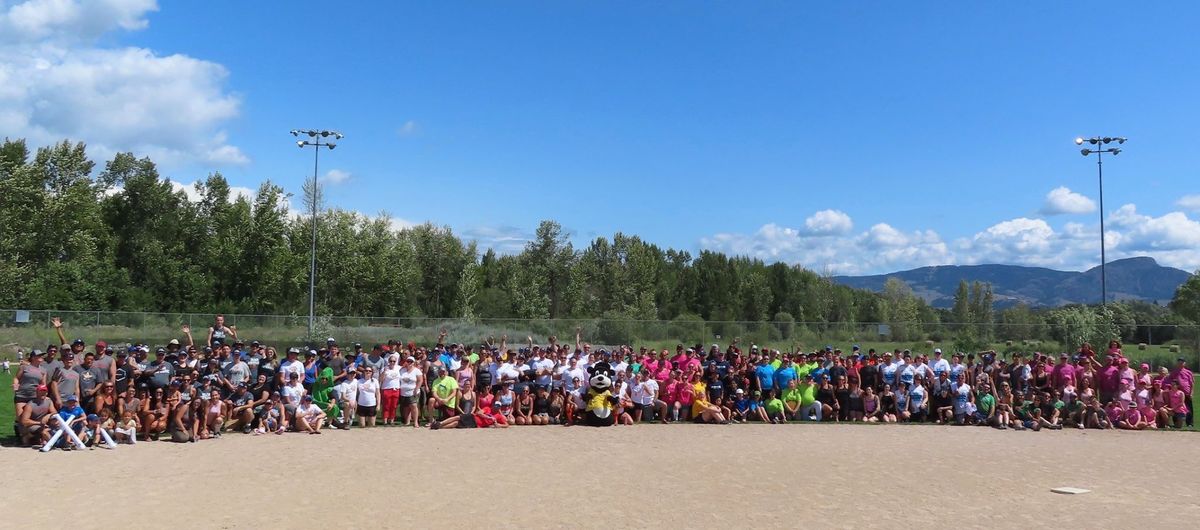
(793,398)
(445,393)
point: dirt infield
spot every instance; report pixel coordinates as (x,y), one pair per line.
(746,476)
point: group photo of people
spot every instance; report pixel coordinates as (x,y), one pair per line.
(75,394)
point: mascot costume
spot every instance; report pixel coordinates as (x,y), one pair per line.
(599,400)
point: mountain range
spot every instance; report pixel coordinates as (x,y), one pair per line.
(1128,279)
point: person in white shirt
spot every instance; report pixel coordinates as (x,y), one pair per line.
(309,417)
(507,372)
(544,368)
(347,395)
(368,398)
(939,364)
(644,394)
(291,365)
(574,374)
(410,382)
(389,389)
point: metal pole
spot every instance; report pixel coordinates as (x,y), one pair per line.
(312,271)
(1103,276)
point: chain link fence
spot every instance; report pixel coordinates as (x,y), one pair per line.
(21,329)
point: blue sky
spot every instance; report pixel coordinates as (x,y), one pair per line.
(862,137)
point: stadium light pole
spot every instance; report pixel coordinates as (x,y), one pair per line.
(1099,142)
(314,141)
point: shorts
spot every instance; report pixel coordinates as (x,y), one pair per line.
(408,400)
(638,407)
(1028,424)
(365,411)
(181,436)
(1180,416)
(467,422)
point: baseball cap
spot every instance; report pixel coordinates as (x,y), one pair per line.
(357,344)
(255,343)
(293,350)
(739,391)
(937,351)
(101,345)
(410,358)
(310,352)
(70,398)
(93,417)
(42,388)
(77,341)
(306,397)
(173,342)
(38,353)
(330,341)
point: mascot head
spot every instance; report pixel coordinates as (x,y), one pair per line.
(600,376)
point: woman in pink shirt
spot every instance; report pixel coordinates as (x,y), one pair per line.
(1132,419)
(674,390)
(1177,403)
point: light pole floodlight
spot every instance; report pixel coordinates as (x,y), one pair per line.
(1085,151)
(331,145)
(1078,141)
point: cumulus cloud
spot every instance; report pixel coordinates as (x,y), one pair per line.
(1062,200)
(1189,202)
(880,248)
(828,223)
(56,83)
(1172,238)
(336,176)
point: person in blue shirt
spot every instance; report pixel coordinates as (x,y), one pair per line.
(71,408)
(785,374)
(765,374)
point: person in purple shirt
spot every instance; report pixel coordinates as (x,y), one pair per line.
(1183,378)
(1063,373)
(1108,380)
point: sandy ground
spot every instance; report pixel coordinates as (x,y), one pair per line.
(749,476)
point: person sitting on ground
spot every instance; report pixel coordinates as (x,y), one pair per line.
(309,417)
(126,429)
(35,418)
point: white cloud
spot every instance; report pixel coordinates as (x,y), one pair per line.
(71,19)
(409,128)
(881,248)
(502,239)
(193,193)
(1189,202)
(828,223)
(56,83)
(336,176)
(1062,200)
(1173,239)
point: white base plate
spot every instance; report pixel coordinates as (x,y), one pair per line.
(1067,490)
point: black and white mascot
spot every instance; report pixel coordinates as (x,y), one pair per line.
(599,401)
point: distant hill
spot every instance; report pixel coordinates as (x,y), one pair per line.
(1128,279)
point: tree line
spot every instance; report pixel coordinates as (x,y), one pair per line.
(77,237)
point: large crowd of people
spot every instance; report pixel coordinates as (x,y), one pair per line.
(186,392)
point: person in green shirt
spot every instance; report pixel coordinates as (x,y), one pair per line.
(810,408)
(774,407)
(445,393)
(793,397)
(985,407)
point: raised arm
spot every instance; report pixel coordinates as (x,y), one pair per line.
(58,328)
(578,338)
(187,332)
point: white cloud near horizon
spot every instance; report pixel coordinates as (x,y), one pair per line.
(56,83)
(1172,238)
(1062,200)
